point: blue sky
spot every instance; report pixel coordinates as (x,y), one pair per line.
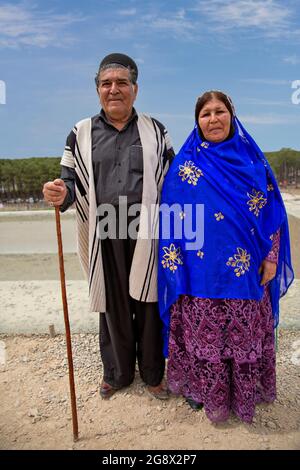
(50,51)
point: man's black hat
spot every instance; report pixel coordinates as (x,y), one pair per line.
(121,59)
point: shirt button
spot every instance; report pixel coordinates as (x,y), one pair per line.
(119,181)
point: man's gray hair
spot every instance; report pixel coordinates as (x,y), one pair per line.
(132,73)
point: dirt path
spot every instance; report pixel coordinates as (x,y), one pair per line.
(35,411)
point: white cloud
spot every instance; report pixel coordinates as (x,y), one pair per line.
(269,16)
(139,60)
(266,18)
(260,102)
(23,25)
(268,81)
(246,13)
(269,119)
(176,25)
(180,14)
(128,12)
(293,60)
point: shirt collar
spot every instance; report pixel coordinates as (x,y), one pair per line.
(103,118)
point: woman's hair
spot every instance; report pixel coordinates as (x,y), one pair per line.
(208,96)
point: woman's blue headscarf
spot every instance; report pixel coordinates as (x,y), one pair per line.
(226,196)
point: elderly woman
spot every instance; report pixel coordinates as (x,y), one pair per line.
(220,301)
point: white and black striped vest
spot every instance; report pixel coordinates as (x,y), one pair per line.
(143,273)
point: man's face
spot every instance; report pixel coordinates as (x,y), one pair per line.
(117,94)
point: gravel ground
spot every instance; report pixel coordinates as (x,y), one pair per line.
(35,410)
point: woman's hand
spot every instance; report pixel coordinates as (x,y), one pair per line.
(268,271)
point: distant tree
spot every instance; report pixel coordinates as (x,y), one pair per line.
(24,178)
(286,166)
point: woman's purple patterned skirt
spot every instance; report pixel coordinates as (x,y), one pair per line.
(222,354)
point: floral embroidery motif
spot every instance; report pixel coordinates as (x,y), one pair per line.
(219,216)
(200,254)
(190,172)
(182,215)
(198,150)
(240,261)
(205,145)
(271,237)
(256,202)
(270,187)
(171,258)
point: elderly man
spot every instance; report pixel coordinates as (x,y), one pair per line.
(118,155)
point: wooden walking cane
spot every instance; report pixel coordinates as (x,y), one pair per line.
(67,324)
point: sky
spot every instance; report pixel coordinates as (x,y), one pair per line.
(50,51)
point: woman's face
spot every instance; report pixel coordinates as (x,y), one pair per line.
(214,120)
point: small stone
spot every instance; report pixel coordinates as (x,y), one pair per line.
(33,413)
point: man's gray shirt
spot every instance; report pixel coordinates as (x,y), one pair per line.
(117,158)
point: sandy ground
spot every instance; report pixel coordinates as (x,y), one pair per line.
(35,410)
(34,391)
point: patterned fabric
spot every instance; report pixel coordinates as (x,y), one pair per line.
(274,252)
(222,352)
(233,185)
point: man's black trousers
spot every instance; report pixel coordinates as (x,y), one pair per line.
(130,330)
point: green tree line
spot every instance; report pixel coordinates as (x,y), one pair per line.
(286,166)
(24,178)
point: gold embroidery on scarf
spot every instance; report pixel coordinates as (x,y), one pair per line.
(200,254)
(256,202)
(219,216)
(240,261)
(171,258)
(190,172)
